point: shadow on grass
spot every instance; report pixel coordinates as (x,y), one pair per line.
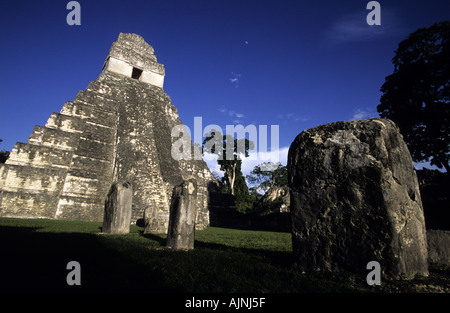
(161,241)
(278,258)
(32,261)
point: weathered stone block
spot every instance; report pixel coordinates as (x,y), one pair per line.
(64,122)
(38,156)
(153,224)
(54,138)
(355,198)
(182,216)
(277,198)
(117,216)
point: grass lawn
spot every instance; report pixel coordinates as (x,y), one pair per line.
(34,255)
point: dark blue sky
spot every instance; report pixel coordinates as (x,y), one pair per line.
(296,64)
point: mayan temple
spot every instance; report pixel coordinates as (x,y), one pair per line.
(118,129)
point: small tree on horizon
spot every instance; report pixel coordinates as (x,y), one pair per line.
(3,154)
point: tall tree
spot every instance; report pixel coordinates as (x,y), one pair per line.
(417,95)
(230,152)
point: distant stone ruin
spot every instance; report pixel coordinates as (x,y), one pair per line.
(279,197)
(118,129)
(355,199)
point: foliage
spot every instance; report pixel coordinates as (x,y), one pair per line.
(268,175)
(417,95)
(435,198)
(263,177)
(230,152)
(268,206)
(3,155)
(244,200)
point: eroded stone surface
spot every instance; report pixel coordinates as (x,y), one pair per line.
(181,233)
(117,216)
(355,198)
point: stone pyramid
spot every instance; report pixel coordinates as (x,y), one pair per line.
(118,129)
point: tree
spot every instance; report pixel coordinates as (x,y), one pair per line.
(417,95)
(268,175)
(3,155)
(230,152)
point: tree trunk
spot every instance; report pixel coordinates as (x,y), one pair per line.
(230,180)
(233,179)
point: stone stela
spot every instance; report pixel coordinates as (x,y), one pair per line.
(355,198)
(118,206)
(181,232)
(117,129)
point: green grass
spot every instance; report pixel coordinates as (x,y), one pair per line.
(34,255)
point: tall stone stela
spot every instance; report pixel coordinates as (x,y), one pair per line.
(355,198)
(181,233)
(118,129)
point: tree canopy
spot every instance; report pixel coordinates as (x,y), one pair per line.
(267,175)
(230,152)
(417,95)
